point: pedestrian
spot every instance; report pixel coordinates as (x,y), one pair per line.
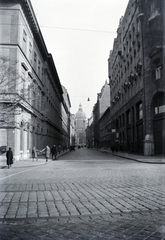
(47,152)
(112,148)
(9,156)
(116,146)
(34,154)
(54,152)
(59,149)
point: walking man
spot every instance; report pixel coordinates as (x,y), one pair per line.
(54,152)
(9,156)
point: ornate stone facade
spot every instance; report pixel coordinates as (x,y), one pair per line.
(30,92)
(136,77)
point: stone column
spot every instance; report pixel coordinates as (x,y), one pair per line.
(148,145)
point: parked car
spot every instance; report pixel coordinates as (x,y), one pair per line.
(72,148)
(3,149)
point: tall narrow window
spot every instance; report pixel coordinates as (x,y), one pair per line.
(24,42)
(153,6)
(30,52)
(21,83)
(158,73)
(33,100)
(139,111)
(29,94)
(35,60)
(123,119)
(39,67)
(153,10)
(128,117)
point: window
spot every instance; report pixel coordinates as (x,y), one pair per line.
(21,84)
(39,99)
(153,6)
(39,67)
(160,109)
(123,137)
(139,111)
(30,52)
(153,10)
(159,103)
(23,74)
(123,119)
(128,117)
(35,60)
(133,117)
(120,121)
(156,69)
(138,27)
(33,100)
(24,41)
(35,56)
(158,73)
(29,86)
(42,71)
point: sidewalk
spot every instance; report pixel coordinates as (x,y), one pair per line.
(29,162)
(136,157)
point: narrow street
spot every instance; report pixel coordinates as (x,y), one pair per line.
(86,194)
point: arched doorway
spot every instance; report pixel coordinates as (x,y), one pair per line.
(159,122)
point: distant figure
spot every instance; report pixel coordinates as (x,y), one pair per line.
(47,152)
(54,152)
(59,149)
(116,146)
(112,148)
(34,154)
(9,156)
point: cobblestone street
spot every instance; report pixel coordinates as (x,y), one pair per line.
(146,225)
(84,195)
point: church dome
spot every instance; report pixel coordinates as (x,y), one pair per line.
(80,113)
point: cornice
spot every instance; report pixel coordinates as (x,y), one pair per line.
(32,21)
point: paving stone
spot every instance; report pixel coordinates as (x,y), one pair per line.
(105,199)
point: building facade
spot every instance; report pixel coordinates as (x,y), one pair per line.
(89,133)
(136,77)
(104,98)
(80,120)
(72,130)
(96,124)
(30,89)
(66,105)
(103,103)
(104,123)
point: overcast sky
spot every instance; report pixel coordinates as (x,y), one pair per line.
(79,34)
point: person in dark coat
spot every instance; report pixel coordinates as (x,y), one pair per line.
(9,156)
(54,152)
(59,149)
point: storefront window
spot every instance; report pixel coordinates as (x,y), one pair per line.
(160,109)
